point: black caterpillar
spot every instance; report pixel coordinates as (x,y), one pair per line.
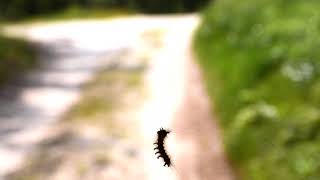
(162,134)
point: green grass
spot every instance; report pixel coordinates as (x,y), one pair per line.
(103,97)
(16,56)
(74,13)
(262,66)
(99,95)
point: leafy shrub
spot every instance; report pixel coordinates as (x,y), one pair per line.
(262,67)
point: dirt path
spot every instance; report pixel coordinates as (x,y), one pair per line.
(202,156)
(180,103)
(175,96)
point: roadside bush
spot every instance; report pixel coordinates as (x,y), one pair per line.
(262,66)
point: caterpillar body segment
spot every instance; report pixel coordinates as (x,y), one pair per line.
(160,148)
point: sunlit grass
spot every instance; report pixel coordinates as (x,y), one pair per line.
(104,96)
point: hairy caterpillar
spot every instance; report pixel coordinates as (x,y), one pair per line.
(162,134)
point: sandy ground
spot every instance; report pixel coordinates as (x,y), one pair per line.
(175,98)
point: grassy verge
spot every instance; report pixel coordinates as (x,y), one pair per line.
(16,56)
(262,70)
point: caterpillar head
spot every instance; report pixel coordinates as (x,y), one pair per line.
(163,133)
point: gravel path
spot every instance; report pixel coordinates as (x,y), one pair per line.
(73,52)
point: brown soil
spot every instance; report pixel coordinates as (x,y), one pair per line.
(203,157)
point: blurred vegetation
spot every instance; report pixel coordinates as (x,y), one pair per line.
(99,102)
(17,9)
(73,13)
(166,6)
(261,64)
(16,56)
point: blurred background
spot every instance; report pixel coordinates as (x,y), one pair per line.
(86,84)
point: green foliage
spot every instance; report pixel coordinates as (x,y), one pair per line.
(166,6)
(77,12)
(17,9)
(261,64)
(16,56)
